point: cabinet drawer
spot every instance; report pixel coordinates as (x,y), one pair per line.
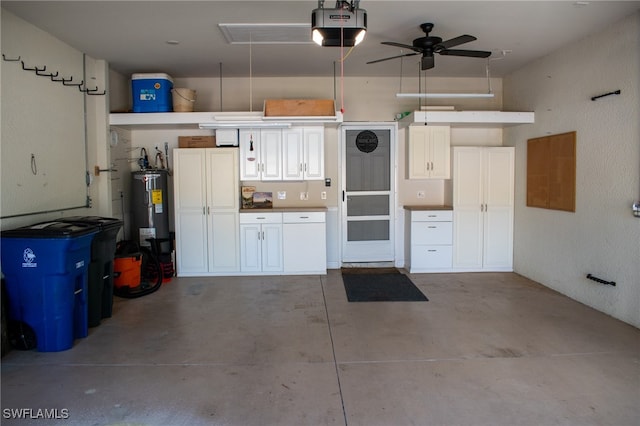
(303,217)
(432,233)
(260,217)
(424,257)
(432,216)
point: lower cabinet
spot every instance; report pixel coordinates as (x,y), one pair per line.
(289,243)
(261,242)
(429,240)
(304,242)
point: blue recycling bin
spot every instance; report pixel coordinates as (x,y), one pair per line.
(45,267)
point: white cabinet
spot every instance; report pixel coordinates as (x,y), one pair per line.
(304,242)
(303,153)
(206,210)
(261,242)
(429,239)
(282,154)
(428,152)
(260,154)
(483,201)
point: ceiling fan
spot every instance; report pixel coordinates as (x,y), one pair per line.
(429,45)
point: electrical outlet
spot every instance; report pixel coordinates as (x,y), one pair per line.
(420,194)
(282,195)
(304,196)
(323,195)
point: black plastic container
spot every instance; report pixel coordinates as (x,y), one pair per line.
(103,249)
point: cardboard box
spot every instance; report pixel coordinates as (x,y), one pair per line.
(196,141)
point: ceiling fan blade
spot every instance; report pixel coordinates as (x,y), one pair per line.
(427,63)
(470,53)
(392,57)
(456,41)
(403,46)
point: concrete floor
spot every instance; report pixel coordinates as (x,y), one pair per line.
(487,349)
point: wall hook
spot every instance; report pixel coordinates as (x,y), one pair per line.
(24,67)
(69,83)
(616,92)
(51,75)
(97,170)
(10,59)
(91,92)
(600,280)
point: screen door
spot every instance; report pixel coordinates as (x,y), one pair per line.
(368,193)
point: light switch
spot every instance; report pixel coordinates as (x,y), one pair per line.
(282,195)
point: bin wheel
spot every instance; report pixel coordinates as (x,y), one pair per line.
(150,277)
(21,335)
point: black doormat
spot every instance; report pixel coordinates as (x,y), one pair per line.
(393,287)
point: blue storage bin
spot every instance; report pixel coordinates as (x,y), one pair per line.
(46,271)
(152,92)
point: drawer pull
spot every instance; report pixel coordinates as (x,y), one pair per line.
(431,227)
(260,218)
(432,251)
(304,217)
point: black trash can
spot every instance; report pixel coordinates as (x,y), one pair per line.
(103,249)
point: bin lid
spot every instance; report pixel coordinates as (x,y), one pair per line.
(51,230)
(103,223)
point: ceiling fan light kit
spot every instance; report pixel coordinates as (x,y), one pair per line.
(344,25)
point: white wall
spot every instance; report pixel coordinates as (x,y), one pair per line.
(64,129)
(602,237)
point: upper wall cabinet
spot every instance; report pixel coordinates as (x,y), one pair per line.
(282,154)
(428,152)
(303,153)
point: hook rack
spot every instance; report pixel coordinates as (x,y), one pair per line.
(66,82)
(615,92)
(601,281)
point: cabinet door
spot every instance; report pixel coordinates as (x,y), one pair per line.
(292,154)
(250,247)
(418,152)
(305,247)
(499,200)
(271,247)
(313,153)
(249,141)
(190,211)
(225,250)
(468,208)
(440,152)
(222,178)
(271,154)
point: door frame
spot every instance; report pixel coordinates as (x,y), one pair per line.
(392,126)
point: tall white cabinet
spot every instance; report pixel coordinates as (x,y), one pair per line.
(206,198)
(483,205)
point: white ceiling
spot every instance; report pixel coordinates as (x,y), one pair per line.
(132,35)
